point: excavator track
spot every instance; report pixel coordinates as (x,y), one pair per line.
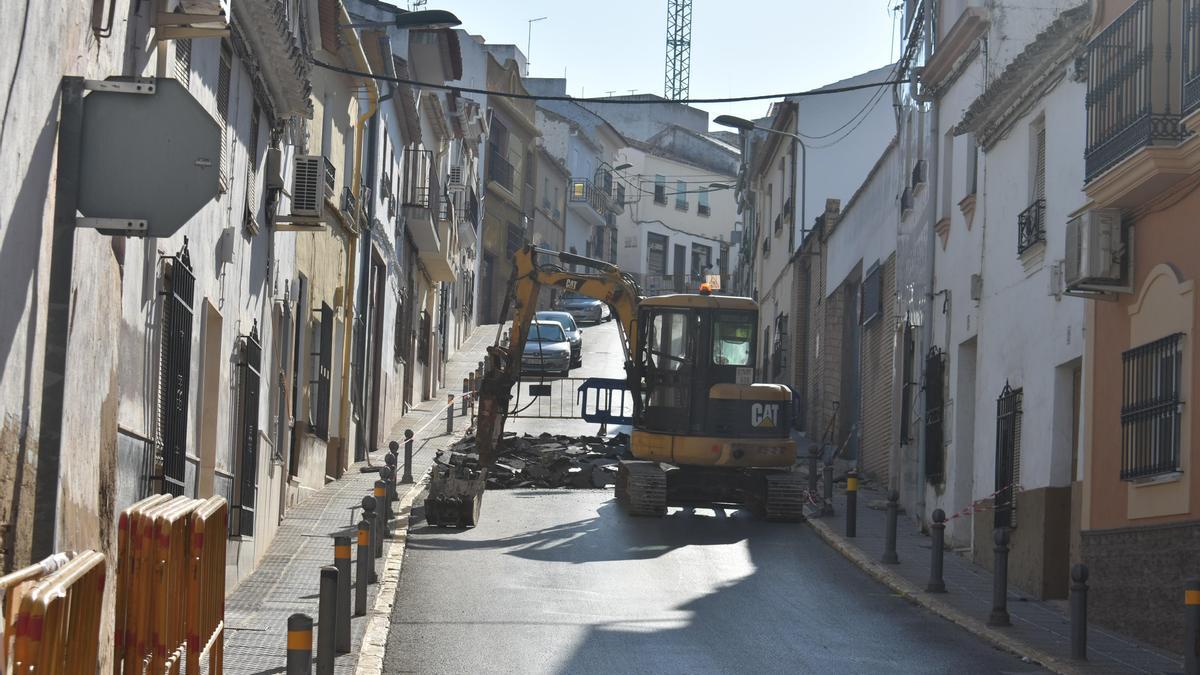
(642,488)
(784,497)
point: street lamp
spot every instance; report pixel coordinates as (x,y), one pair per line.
(746,125)
(425,18)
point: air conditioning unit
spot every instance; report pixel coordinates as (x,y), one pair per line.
(455,180)
(308,186)
(1097,254)
(273,171)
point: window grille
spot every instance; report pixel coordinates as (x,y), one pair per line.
(935,401)
(249,381)
(175,368)
(1008,455)
(871,294)
(323,358)
(1151,409)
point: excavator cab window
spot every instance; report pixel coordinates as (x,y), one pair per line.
(733,337)
(667,362)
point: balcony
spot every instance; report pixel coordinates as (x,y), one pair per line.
(1031,226)
(500,171)
(329,175)
(1133,99)
(273,31)
(420,199)
(588,200)
(438,259)
(703,209)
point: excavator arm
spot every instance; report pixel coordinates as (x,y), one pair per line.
(456,492)
(534,269)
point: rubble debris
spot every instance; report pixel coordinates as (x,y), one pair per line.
(545,460)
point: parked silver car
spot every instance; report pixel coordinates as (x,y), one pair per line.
(583,308)
(572,329)
(547,349)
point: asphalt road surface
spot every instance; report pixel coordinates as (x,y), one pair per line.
(556,581)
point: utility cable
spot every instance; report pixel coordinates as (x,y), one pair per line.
(615,101)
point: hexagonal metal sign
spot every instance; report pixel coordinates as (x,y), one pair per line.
(149,158)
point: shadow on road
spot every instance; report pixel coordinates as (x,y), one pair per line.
(735,595)
(576,541)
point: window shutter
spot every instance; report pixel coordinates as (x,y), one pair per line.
(252,171)
(223,77)
(183,61)
(1040,167)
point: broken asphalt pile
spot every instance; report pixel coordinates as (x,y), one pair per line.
(547,460)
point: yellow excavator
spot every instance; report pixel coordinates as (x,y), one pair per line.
(703,433)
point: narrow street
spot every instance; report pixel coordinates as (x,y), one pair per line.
(562,581)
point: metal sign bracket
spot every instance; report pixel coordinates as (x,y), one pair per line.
(114,226)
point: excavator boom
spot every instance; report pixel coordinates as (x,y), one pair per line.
(456,492)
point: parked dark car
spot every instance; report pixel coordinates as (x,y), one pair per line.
(583,308)
(572,329)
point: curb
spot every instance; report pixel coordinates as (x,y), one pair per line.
(909,591)
(374,642)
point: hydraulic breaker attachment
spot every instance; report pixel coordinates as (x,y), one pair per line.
(455,494)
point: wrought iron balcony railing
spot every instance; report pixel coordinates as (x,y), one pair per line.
(418,178)
(703,209)
(1031,226)
(330,174)
(583,190)
(1190,55)
(1133,98)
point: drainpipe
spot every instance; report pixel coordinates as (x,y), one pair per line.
(354,46)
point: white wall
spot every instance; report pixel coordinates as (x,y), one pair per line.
(866,230)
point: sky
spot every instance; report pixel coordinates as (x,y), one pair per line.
(742,47)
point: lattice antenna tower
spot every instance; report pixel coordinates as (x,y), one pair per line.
(417,5)
(679,49)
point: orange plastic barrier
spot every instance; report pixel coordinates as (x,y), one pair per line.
(171,585)
(55,628)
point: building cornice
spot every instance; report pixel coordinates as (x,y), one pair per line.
(1031,75)
(971,26)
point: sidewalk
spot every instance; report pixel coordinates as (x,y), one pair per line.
(1039,631)
(288,577)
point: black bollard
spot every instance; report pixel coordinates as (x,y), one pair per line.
(999,615)
(390,461)
(385,475)
(326,612)
(466,395)
(889,547)
(1079,589)
(381,526)
(937,533)
(299,644)
(827,502)
(341,560)
(1191,637)
(366,568)
(408,440)
(449,413)
(368,504)
(852,503)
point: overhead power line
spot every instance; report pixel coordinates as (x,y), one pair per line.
(614,101)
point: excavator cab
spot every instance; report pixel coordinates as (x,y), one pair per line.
(696,402)
(704,434)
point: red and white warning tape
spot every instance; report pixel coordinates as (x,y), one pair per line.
(978,506)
